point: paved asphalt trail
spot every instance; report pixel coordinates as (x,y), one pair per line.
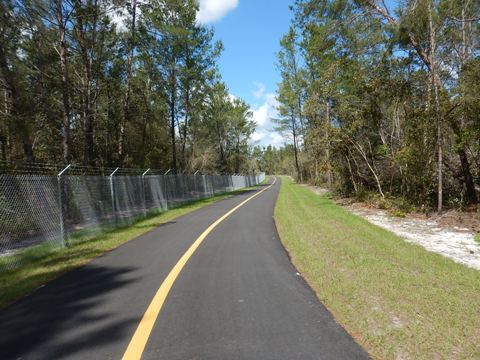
(238,297)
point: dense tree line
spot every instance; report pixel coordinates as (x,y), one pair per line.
(116,83)
(385,100)
(274,160)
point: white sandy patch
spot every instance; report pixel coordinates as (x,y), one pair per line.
(456,243)
(317,190)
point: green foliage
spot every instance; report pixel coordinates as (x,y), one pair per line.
(369,116)
(137,87)
(275,161)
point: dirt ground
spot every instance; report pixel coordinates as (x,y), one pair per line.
(468,220)
(450,234)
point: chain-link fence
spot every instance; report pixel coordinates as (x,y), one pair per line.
(45,212)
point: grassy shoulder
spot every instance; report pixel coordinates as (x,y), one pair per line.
(477,238)
(396,299)
(42,264)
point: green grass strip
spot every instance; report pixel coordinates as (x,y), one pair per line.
(42,263)
(395,298)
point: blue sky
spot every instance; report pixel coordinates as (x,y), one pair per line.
(251,31)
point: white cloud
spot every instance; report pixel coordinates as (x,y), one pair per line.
(209,11)
(263,114)
(265,137)
(257,136)
(213,10)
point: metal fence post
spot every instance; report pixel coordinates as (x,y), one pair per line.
(60,206)
(197,194)
(112,194)
(166,187)
(144,192)
(205,190)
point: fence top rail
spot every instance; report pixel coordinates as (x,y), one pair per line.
(114,171)
(39,168)
(63,171)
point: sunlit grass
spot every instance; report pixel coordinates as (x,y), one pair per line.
(397,299)
(42,263)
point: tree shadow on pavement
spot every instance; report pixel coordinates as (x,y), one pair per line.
(69,315)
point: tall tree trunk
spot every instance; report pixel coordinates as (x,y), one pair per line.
(172,125)
(237,158)
(467,176)
(126,96)
(87,38)
(3,148)
(185,126)
(62,51)
(144,140)
(223,161)
(461,148)
(295,147)
(111,134)
(146,117)
(327,146)
(17,109)
(438,117)
(6,136)
(464,162)
(88,154)
(352,178)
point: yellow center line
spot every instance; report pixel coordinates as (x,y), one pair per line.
(139,340)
